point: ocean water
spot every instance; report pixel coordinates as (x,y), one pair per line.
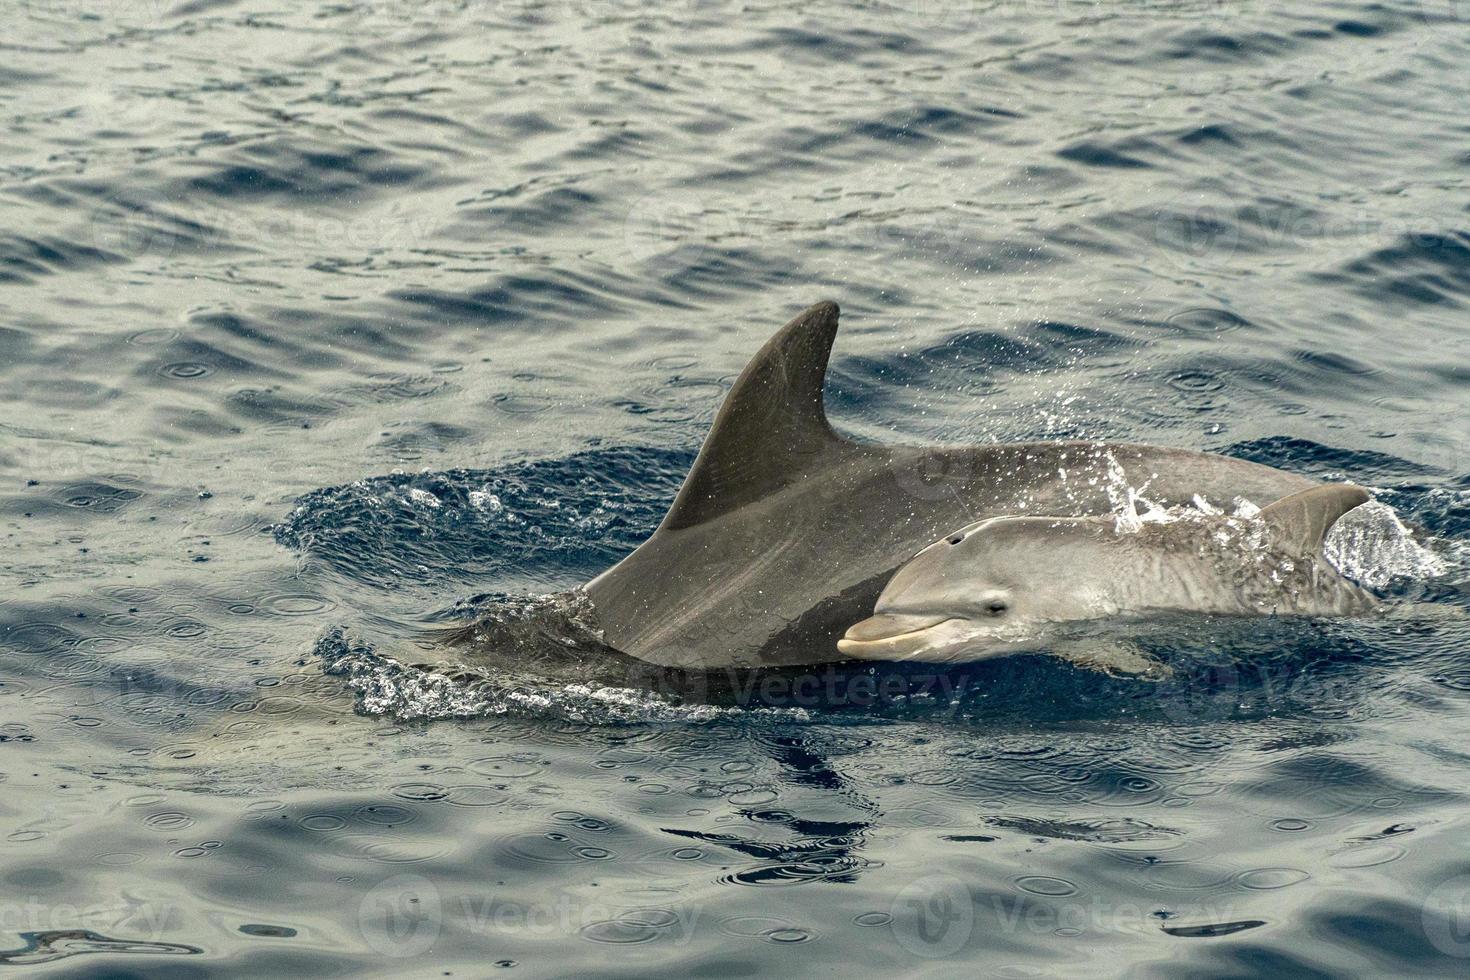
(323,324)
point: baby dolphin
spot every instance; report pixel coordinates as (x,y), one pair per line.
(1012,584)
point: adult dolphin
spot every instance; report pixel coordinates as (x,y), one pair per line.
(785,532)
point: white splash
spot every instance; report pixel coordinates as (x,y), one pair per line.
(1205,507)
(384,687)
(484,500)
(1372,546)
(1245,509)
(1131,508)
(423,497)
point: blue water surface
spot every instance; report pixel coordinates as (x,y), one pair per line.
(326,325)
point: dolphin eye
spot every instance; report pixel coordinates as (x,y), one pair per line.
(956,538)
(996,607)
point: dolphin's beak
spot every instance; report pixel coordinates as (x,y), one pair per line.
(889,637)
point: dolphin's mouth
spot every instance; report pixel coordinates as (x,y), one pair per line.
(890,637)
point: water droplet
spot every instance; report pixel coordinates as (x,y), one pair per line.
(1270,878)
(185,370)
(1046,885)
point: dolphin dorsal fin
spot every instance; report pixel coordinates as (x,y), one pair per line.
(769,426)
(1299,523)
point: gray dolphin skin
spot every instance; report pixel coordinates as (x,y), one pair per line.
(1012,584)
(785,532)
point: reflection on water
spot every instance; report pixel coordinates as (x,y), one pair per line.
(44,947)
